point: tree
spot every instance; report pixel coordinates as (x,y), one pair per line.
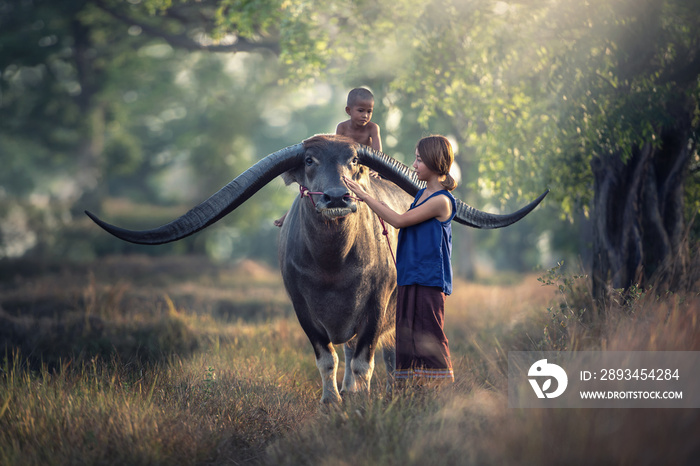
(108,98)
(635,104)
(597,100)
(594,97)
(66,71)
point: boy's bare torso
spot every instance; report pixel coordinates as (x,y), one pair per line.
(362,135)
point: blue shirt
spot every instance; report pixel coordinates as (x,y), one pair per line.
(424,250)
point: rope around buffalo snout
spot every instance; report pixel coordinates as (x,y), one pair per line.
(304,192)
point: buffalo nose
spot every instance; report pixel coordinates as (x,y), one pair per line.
(336,197)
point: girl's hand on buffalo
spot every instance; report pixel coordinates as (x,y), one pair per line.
(355,188)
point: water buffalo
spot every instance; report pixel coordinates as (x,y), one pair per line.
(334,253)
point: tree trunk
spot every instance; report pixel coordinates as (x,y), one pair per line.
(638,224)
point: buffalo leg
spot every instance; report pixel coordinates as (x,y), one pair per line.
(348,378)
(389,355)
(362,368)
(327,363)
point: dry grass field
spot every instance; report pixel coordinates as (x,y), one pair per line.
(143,361)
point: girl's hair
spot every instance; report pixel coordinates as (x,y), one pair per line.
(436,153)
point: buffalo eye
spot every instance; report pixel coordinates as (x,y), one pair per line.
(309,161)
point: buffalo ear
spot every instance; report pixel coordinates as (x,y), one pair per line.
(295,175)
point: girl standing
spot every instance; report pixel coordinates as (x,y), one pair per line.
(424,271)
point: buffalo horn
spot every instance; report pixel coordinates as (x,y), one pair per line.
(218,205)
(406,179)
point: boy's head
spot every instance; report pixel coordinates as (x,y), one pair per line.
(359,94)
(360,106)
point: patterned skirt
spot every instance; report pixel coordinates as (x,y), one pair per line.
(422,353)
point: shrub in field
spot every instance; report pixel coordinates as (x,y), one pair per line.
(574,307)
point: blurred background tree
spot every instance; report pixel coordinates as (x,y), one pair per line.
(119,105)
(597,99)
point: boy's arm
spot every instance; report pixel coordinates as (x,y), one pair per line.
(375,138)
(340,129)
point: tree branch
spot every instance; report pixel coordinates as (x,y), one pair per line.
(183,41)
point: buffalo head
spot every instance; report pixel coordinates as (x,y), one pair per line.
(320,176)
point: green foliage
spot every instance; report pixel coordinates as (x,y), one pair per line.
(250,17)
(146,121)
(120,98)
(539,89)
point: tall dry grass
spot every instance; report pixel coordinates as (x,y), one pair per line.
(471,422)
(186,371)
